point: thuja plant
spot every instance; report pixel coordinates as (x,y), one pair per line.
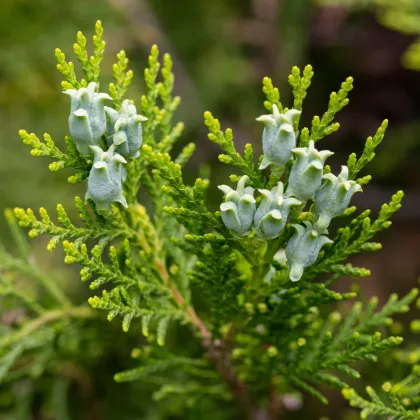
(253,282)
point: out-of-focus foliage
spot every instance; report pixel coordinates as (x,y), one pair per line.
(400,15)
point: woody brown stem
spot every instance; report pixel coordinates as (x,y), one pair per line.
(220,357)
(217,353)
(217,350)
(179,299)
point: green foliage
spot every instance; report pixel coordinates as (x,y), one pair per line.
(272,93)
(122,79)
(62,160)
(300,85)
(395,404)
(355,237)
(225,141)
(255,332)
(356,165)
(90,65)
(27,343)
(338,100)
(65,229)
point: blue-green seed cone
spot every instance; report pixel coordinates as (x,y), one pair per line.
(303,248)
(306,174)
(230,216)
(272,213)
(87,120)
(296,271)
(125,130)
(279,137)
(333,197)
(271,225)
(105,180)
(239,207)
(81,132)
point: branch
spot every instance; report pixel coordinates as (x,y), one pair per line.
(220,357)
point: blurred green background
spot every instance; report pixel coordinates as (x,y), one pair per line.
(221,50)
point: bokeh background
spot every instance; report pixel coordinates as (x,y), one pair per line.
(221,50)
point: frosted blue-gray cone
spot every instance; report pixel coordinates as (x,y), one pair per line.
(279,137)
(105,179)
(333,197)
(303,248)
(306,173)
(113,115)
(125,130)
(87,120)
(239,207)
(272,213)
